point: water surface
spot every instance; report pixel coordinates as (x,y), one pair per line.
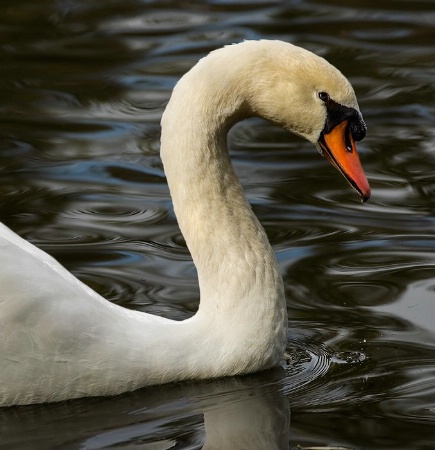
(82,87)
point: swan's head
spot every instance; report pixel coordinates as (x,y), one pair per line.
(303,93)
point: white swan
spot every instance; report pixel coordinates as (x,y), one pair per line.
(61,340)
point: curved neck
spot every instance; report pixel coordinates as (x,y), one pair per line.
(235,262)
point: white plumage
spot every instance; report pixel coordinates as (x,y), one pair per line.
(61,340)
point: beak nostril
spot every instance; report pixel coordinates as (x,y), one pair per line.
(348,140)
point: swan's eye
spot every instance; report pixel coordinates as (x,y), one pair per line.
(324,96)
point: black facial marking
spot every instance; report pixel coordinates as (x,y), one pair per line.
(336,113)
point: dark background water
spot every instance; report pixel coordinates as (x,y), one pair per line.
(83,84)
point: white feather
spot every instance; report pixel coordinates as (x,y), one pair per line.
(61,340)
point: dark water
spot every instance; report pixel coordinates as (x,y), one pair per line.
(83,84)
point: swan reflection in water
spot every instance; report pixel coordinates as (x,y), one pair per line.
(248,412)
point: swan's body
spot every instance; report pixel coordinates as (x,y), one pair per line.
(60,340)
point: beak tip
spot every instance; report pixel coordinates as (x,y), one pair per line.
(365,195)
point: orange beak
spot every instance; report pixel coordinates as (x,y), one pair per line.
(339,148)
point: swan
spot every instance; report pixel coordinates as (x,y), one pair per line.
(61,340)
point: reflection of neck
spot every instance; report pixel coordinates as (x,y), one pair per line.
(255,422)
